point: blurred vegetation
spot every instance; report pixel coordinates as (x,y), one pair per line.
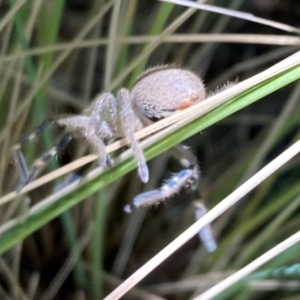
(93,245)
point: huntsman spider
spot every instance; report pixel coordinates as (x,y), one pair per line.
(157,93)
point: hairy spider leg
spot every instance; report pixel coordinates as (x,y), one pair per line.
(95,127)
(72,177)
(180,180)
(171,187)
(102,102)
(21,165)
(128,121)
(205,234)
(187,159)
(26,175)
(89,126)
(82,125)
(18,155)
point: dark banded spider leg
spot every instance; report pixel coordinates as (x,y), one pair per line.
(185,178)
(92,127)
(171,187)
(26,175)
(205,234)
(72,177)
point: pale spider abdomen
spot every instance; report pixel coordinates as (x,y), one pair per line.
(162,91)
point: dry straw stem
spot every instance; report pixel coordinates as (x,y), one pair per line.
(206,281)
(269,39)
(9,16)
(54,93)
(68,265)
(219,209)
(111,47)
(180,38)
(226,283)
(235,14)
(173,123)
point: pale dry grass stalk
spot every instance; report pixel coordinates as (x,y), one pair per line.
(111,49)
(235,14)
(67,267)
(92,59)
(9,16)
(264,39)
(254,265)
